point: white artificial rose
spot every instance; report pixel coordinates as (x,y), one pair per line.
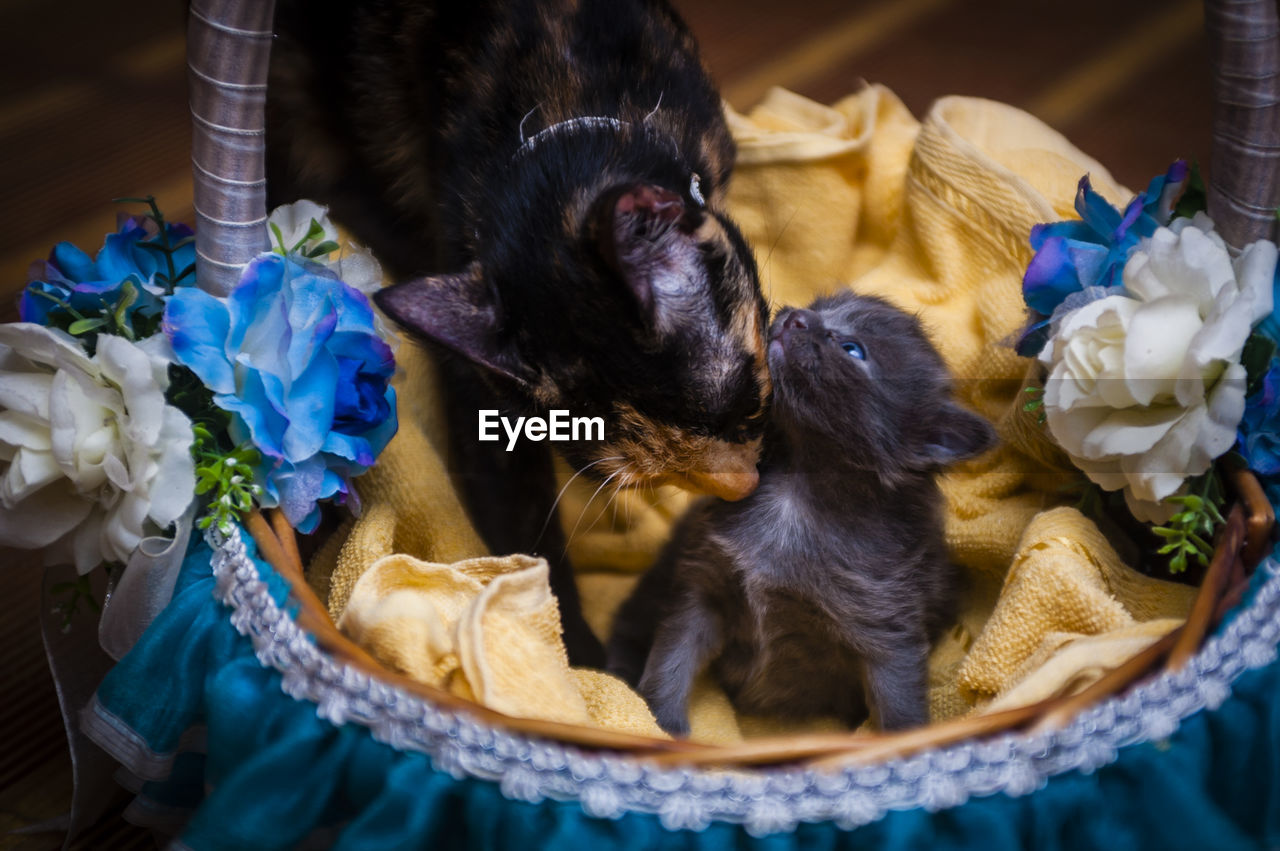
(1146,389)
(290,224)
(92,459)
(354,264)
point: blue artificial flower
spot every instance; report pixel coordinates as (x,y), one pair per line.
(292,354)
(1078,255)
(1270,326)
(1259,436)
(70,276)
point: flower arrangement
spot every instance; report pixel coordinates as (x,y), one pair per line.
(1158,344)
(132,401)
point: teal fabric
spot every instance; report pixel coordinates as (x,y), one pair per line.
(275,773)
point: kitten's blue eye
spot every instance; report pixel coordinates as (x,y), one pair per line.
(855,350)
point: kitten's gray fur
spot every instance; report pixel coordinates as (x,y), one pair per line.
(820,593)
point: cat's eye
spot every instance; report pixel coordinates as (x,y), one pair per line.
(854,350)
(695,190)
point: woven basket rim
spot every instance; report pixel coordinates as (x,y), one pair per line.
(1242,544)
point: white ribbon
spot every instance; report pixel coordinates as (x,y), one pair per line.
(144,589)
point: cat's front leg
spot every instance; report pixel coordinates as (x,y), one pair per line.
(685,641)
(896,688)
(510,497)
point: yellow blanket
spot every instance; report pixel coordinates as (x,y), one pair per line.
(932,215)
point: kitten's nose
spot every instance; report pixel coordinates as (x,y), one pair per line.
(796,320)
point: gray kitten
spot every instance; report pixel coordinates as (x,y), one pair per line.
(820,593)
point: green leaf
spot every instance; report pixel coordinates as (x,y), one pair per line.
(323,249)
(1193,198)
(84,326)
(280,246)
(314,231)
(128,295)
(1256,358)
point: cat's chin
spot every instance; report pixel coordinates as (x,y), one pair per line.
(730,486)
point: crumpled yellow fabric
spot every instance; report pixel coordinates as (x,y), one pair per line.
(487,629)
(934,216)
(1069,610)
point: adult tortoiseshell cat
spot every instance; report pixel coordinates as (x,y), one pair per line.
(557,171)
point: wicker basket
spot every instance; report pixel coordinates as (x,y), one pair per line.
(228,51)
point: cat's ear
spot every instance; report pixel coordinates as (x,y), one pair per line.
(637,227)
(951,435)
(459,311)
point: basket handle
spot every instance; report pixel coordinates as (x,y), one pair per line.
(1244,178)
(228,52)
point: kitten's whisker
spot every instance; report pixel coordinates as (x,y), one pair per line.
(585,508)
(563,490)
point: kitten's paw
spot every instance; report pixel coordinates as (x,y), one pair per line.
(623,670)
(904,718)
(625,663)
(674,720)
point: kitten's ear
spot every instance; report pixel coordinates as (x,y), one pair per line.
(458,311)
(636,225)
(953,435)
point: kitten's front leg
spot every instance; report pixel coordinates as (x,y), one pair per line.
(896,687)
(684,642)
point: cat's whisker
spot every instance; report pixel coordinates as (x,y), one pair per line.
(563,490)
(585,509)
(527,116)
(665,498)
(614,500)
(625,483)
(656,106)
(768,257)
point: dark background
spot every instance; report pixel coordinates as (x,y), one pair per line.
(93,106)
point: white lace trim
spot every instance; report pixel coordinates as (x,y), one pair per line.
(766,801)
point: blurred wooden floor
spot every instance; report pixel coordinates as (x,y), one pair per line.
(93,106)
